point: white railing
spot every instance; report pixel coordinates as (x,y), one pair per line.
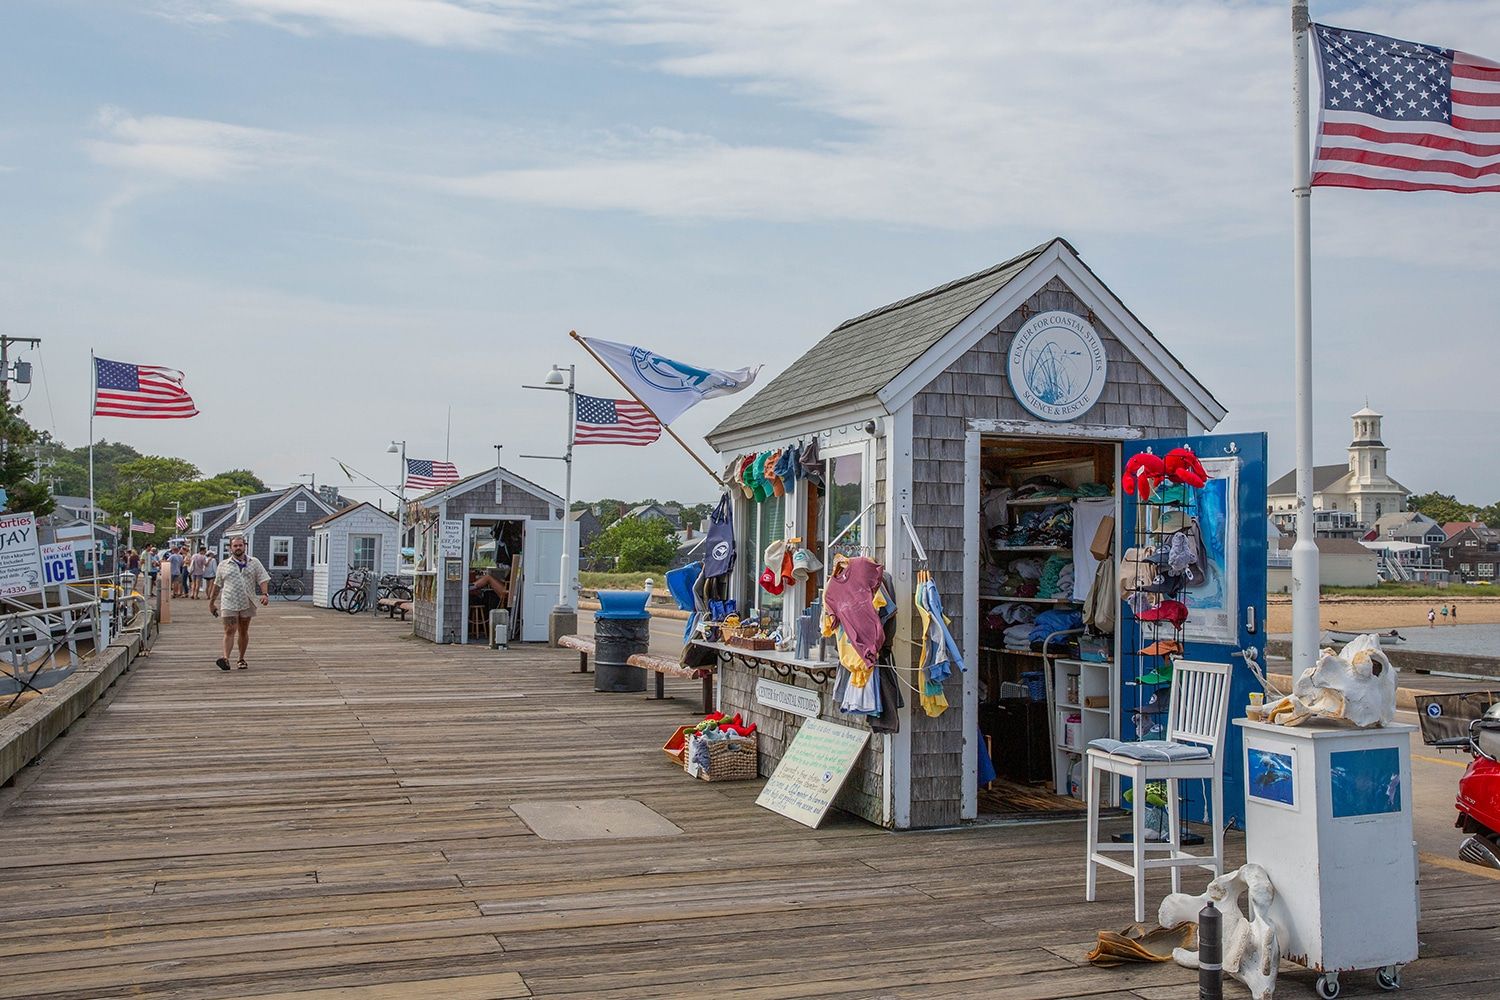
(30,638)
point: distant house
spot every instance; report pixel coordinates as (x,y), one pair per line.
(277,528)
(587,525)
(1342,562)
(668,512)
(206,525)
(1347,497)
(1451,528)
(1472,554)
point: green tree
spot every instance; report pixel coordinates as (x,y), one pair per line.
(1442,507)
(1489,515)
(635,545)
(18,473)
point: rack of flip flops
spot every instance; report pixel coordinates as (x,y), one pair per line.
(1156,573)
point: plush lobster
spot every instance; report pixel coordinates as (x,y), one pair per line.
(1183,467)
(1145,468)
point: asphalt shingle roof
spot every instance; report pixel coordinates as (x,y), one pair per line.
(1324,476)
(862,355)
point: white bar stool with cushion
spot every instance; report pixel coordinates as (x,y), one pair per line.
(1192,751)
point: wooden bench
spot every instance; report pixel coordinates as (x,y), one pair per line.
(391,605)
(664,668)
(583,645)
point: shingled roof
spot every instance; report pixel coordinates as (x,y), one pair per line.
(862,355)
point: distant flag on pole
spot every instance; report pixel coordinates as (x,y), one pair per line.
(668,388)
(424,475)
(143,392)
(144,527)
(1404,116)
(614,421)
(182,523)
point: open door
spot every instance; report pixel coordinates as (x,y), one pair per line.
(541,567)
(1226,609)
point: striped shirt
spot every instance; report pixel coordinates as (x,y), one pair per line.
(237,583)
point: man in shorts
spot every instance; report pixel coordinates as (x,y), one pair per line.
(232,595)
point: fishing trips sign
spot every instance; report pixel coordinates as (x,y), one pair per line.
(20,555)
(1057,366)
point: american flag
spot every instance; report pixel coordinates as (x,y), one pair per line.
(146,392)
(1403,116)
(145,527)
(182,523)
(423,475)
(614,421)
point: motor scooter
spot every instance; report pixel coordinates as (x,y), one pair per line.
(1478,799)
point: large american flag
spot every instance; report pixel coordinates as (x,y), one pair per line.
(1403,116)
(425,475)
(147,392)
(614,421)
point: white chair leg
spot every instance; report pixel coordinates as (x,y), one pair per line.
(1174,828)
(1217,785)
(1138,842)
(1091,790)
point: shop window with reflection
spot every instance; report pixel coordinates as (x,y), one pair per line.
(845,476)
(764,523)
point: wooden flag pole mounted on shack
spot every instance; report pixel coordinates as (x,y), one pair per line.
(654,411)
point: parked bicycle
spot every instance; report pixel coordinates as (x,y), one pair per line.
(392,586)
(289,587)
(351,596)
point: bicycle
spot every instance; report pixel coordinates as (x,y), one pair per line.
(288,587)
(392,587)
(351,597)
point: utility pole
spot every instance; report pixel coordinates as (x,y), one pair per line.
(23,372)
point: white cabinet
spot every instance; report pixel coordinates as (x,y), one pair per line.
(1082,693)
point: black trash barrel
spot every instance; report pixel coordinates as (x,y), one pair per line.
(615,640)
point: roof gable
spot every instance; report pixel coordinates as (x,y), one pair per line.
(1324,476)
(478,479)
(324,522)
(287,496)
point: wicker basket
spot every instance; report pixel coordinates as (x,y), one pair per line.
(728,760)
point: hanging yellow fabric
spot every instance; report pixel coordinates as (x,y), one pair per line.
(934,701)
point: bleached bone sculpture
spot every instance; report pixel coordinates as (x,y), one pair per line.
(1357,685)
(1251,952)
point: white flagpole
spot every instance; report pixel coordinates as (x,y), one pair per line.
(1305,626)
(93,405)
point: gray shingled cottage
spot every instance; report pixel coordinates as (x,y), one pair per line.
(491,520)
(1032,367)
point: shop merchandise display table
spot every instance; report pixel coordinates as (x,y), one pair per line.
(1328,816)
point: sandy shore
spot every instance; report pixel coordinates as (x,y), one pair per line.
(1362,613)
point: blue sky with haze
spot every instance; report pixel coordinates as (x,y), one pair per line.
(341,216)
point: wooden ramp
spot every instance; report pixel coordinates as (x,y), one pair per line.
(336,822)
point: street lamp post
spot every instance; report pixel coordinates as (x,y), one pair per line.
(400,446)
(564,618)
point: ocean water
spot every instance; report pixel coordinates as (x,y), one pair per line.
(1467,640)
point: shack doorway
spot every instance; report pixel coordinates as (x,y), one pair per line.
(492,574)
(1045,682)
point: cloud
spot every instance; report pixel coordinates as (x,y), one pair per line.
(440,23)
(185,148)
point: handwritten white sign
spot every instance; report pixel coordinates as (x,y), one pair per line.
(59,563)
(451,540)
(787,698)
(20,556)
(813,771)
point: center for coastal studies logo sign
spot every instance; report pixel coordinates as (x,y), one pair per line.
(668,375)
(1057,366)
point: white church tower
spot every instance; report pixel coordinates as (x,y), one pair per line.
(1371,491)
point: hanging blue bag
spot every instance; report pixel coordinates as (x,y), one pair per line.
(719,557)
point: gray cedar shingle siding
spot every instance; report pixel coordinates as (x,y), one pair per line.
(868,351)
(288,522)
(975,387)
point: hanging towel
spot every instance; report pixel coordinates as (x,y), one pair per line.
(849,599)
(1086,517)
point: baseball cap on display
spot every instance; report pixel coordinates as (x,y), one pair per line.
(1174,612)
(1163,647)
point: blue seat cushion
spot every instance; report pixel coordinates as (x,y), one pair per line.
(1151,750)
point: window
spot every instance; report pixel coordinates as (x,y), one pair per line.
(1470,543)
(281,552)
(241,511)
(1465,568)
(302,506)
(362,552)
(311,551)
(1487,569)
(197,520)
(1377,463)
(764,524)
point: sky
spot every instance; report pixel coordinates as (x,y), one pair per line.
(345,218)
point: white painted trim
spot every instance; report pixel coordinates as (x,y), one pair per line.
(834,425)
(291,552)
(1057,261)
(480,479)
(898,488)
(349,538)
(969,795)
(463,574)
(1046,429)
(439,582)
(312,551)
(286,498)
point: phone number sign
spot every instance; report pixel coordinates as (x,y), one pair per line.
(20,555)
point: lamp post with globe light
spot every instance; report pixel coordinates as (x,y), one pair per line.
(399,447)
(564,617)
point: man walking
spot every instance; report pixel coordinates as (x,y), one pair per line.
(196,568)
(174,568)
(152,568)
(232,594)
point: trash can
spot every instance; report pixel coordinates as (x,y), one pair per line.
(622,627)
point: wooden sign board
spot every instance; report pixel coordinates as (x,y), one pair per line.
(812,771)
(788,698)
(20,555)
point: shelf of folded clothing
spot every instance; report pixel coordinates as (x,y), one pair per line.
(1028,600)
(1040,501)
(784,664)
(1032,548)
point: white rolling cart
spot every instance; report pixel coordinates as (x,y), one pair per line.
(1328,816)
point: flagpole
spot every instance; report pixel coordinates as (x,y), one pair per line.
(93,405)
(1305,583)
(584,344)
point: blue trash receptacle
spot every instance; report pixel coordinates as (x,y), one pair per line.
(622,628)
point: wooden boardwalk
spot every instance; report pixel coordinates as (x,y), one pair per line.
(336,822)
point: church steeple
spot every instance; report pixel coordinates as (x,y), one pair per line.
(1366,451)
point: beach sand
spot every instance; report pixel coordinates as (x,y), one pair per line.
(1360,614)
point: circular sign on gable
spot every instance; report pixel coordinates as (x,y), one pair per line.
(1057,366)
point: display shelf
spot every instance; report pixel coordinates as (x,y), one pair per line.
(1090,679)
(1032,548)
(1103,711)
(1028,600)
(1044,501)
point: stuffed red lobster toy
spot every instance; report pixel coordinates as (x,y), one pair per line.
(1183,467)
(1146,469)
